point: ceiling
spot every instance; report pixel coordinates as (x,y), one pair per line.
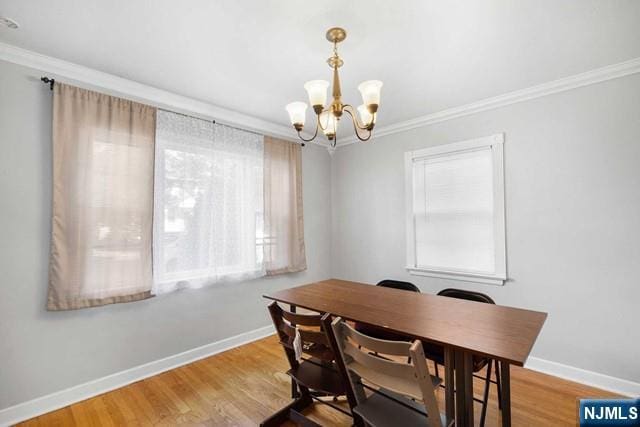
(254,56)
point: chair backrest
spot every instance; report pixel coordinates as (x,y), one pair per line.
(313,339)
(411,379)
(397,284)
(467,295)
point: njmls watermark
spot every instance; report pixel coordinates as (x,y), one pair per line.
(609,412)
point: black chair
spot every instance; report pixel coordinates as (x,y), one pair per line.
(380,333)
(435,352)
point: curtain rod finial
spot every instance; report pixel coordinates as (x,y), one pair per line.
(48,80)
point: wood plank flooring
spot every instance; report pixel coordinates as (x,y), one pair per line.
(240,387)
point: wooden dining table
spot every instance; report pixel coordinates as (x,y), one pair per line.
(463,328)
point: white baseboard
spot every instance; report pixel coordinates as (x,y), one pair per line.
(33,408)
(51,402)
(582,376)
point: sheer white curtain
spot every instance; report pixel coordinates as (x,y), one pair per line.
(208,203)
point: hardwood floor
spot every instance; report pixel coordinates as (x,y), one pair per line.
(240,387)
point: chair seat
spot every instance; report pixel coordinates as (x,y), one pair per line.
(317,377)
(379,333)
(380,411)
(435,352)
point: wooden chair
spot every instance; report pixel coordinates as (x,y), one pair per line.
(435,352)
(315,374)
(398,391)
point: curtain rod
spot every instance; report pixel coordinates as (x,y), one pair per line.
(211,120)
(51,82)
(187,115)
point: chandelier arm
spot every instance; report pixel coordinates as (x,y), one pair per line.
(356,127)
(349,109)
(312,138)
(320,123)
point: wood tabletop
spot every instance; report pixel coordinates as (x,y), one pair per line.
(503,333)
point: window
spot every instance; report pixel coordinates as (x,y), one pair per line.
(147,201)
(455,211)
(227,204)
(208,203)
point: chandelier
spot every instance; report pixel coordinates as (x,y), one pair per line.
(328,118)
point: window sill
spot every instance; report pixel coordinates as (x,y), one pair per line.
(456,275)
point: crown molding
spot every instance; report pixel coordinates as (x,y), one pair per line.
(89,78)
(93,79)
(598,75)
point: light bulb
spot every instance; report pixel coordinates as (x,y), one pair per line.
(370,91)
(317,91)
(365,115)
(297,112)
(329,124)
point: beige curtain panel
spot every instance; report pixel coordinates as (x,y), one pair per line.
(103,154)
(283,223)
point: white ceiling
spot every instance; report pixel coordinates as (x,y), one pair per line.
(254,56)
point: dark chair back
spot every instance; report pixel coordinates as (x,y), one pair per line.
(313,339)
(397,284)
(467,295)
(310,375)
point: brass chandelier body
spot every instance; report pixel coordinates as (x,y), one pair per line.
(328,118)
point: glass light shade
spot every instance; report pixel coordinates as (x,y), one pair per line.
(317,90)
(329,123)
(297,112)
(365,116)
(370,91)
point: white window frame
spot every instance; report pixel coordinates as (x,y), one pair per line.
(496,142)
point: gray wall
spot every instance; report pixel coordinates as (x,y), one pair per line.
(572,172)
(42,352)
(573,233)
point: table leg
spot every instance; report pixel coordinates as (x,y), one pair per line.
(464,389)
(460,403)
(449,385)
(505,379)
(294,386)
(468,386)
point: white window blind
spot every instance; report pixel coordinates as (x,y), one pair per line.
(455,211)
